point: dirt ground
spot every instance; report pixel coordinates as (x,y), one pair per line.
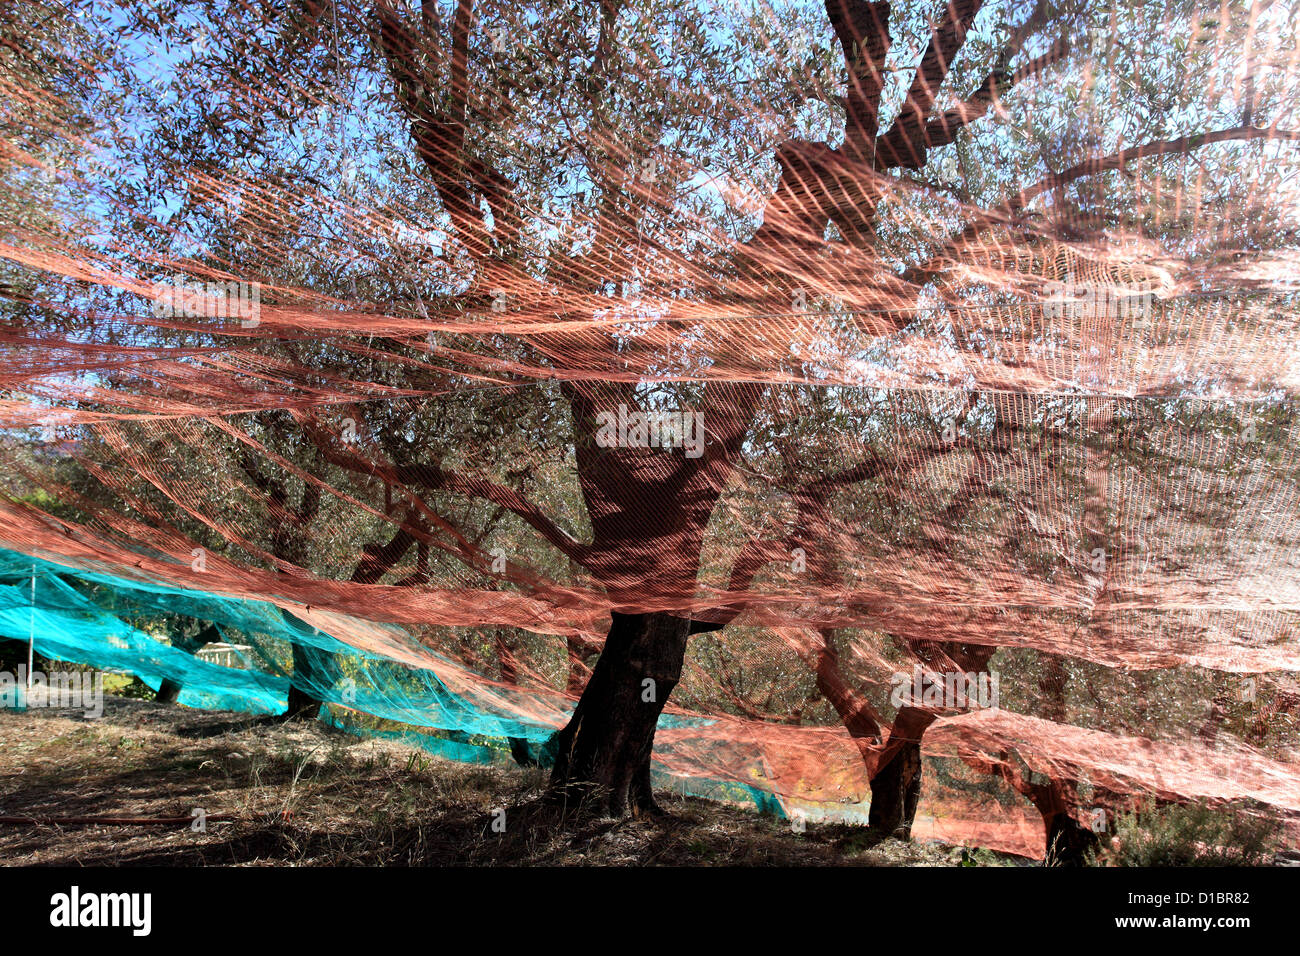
(304,794)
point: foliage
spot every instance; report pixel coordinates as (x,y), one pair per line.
(1195,834)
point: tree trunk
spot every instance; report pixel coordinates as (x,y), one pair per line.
(895,792)
(302,705)
(168,692)
(896,784)
(579,660)
(603,757)
(520,752)
(1068,843)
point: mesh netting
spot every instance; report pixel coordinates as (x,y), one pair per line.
(400,347)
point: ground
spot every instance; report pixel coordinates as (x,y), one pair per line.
(303,794)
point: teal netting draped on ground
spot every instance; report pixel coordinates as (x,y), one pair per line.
(119,624)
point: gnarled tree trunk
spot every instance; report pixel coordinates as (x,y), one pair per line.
(603,758)
(168,692)
(302,704)
(896,785)
(520,751)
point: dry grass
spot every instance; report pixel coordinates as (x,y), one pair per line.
(302,794)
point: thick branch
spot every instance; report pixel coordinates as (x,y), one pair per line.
(435,477)
(1101,164)
(863,31)
(378,559)
(860,719)
(439,136)
(906,137)
(1009,209)
(944,129)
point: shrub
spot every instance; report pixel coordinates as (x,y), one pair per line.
(1197,834)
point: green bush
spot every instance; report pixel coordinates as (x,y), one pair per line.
(127,685)
(1197,834)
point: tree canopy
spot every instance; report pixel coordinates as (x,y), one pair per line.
(984,313)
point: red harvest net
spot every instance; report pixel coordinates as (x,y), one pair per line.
(1046,408)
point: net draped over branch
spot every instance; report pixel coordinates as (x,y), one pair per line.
(874,340)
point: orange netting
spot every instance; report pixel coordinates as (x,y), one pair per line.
(957,337)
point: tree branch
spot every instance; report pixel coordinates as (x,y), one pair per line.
(439,136)
(1101,164)
(944,129)
(378,559)
(863,31)
(906,137)
(435,477)
(1008,210)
